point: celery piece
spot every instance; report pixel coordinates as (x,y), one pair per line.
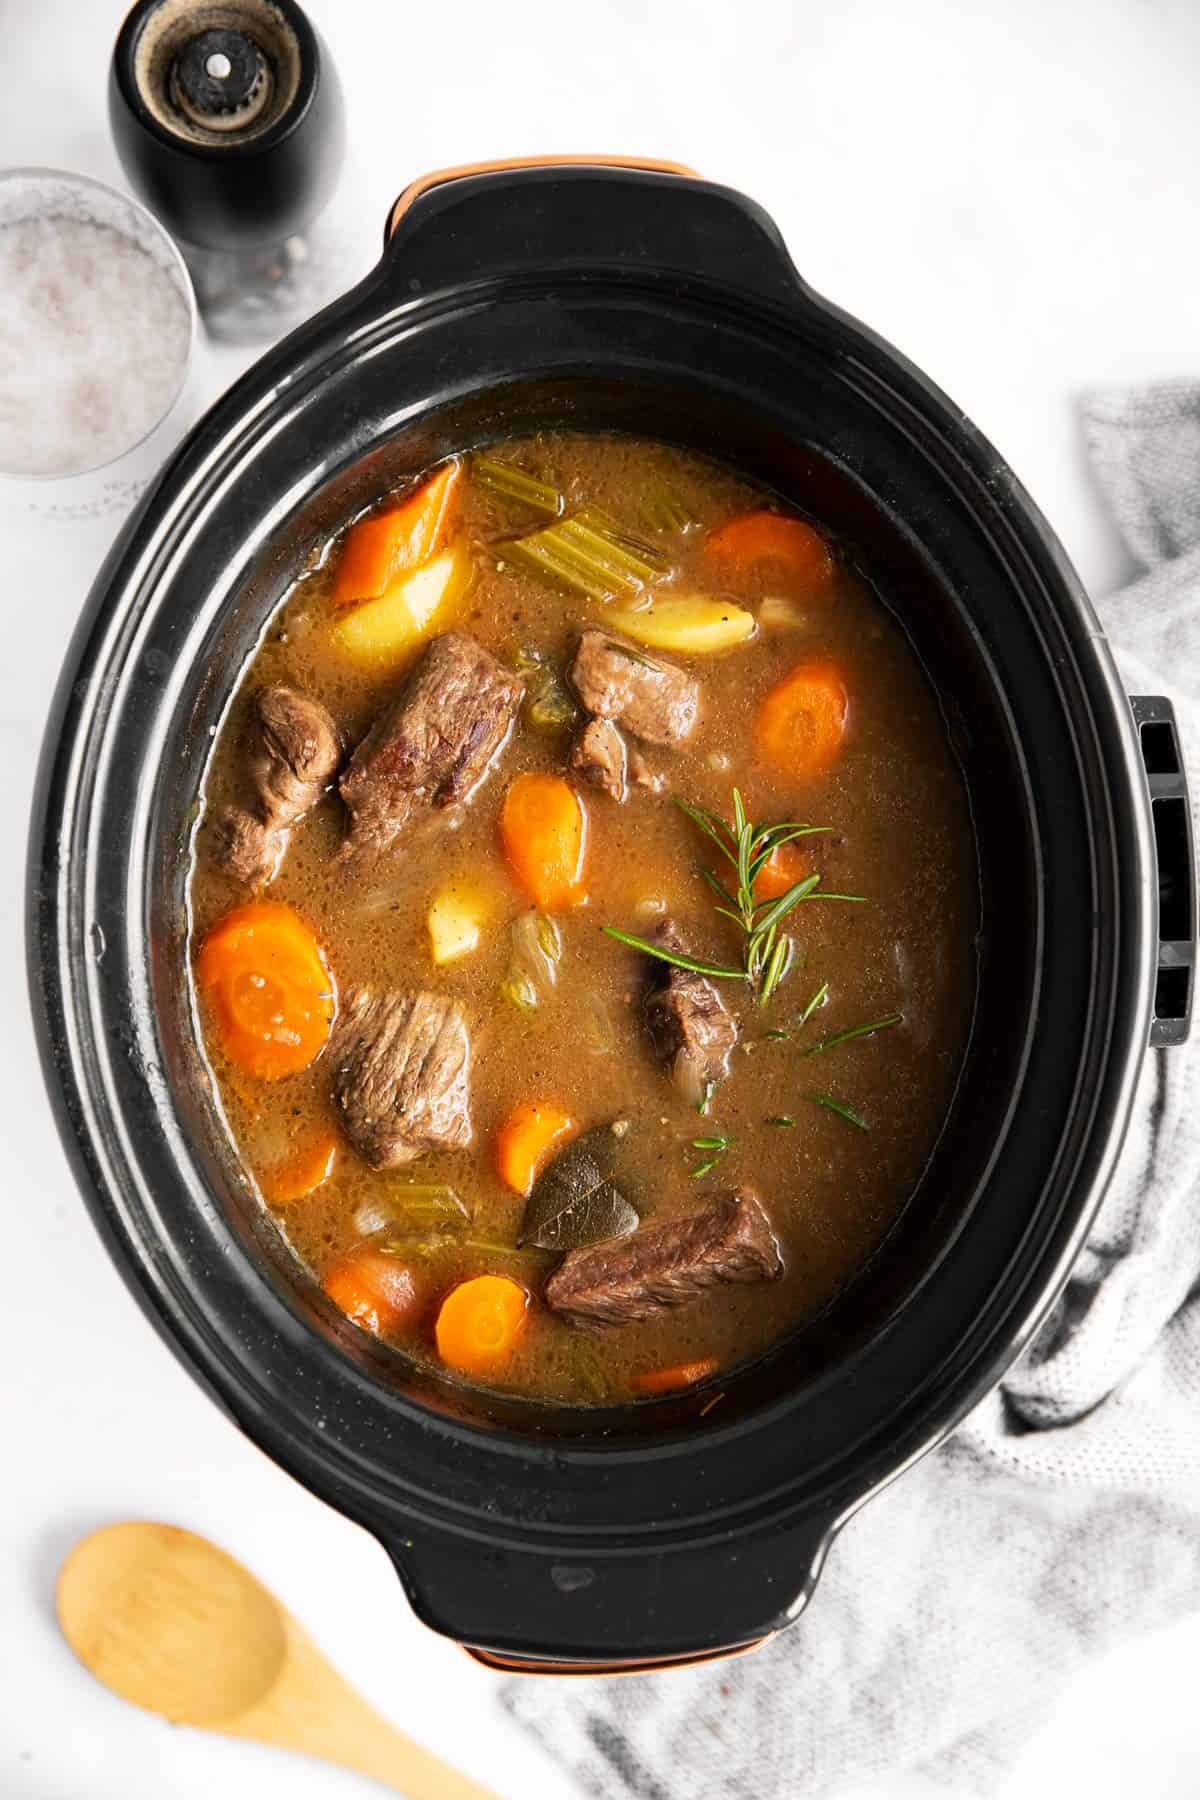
(605,526)
(565,571)
(576,553)
(514,484)
(631,563)
(665,511)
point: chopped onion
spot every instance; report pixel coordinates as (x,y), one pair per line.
(536,953)
(520,990)
(601,1038)
(379,899)
(408,1203)
(775,613)
(374,1214)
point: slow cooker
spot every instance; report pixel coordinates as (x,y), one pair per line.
(622,298)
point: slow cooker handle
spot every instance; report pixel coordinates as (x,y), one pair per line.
(604,1611)
(1166,778)
(576,215)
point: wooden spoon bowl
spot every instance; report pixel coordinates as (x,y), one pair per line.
(172,1623)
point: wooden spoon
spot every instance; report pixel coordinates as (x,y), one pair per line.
(170,1622)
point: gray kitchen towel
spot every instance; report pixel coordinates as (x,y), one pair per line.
(1064,1514)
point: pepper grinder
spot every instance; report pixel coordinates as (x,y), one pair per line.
(228,119)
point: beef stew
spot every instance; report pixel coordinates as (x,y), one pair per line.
(646,901)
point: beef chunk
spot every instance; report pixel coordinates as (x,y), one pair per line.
(433,745)
(619,681)
(401,1077)
(659,1266)
(246,849)
(690,1030)
(598,756)
(601,756)
(294,754)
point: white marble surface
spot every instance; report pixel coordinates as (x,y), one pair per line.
(1009,192)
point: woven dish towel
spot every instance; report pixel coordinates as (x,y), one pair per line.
(1065,1511)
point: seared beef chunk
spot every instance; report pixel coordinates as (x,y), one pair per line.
(434,743)
(246,849)
(660,1266)
(689,1028)
(401,1079)
(598,755)
(294,755)
(619,681)
(601,756)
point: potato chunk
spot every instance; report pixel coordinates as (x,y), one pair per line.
(404,615)
(456,919)
(691,624)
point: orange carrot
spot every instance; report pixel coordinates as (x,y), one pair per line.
(377,1291)
(543,831)
(800,724)
(301,1173)
(786,865)
(524,1142)
(788,545)
(664,1381)
(378,549)
(480,1323)
(264,976)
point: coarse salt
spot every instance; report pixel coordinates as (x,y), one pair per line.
(94,344)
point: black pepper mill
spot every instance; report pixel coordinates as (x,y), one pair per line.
(228,120)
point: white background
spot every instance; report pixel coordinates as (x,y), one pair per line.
(1009,192)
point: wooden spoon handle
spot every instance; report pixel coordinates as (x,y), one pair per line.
(313,1710)
(389,1757)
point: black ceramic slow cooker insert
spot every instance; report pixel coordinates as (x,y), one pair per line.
(643,300)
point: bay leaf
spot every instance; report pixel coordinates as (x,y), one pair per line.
(576,1201)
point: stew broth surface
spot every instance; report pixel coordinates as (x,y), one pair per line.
(900,835)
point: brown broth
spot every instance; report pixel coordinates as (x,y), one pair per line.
(901,836)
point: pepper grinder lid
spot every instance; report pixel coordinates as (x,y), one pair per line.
(227,117)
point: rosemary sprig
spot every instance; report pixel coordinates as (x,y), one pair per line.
(716,970)
(855,1031)
(818,999)
(834,1105)
(784,1033)
(768,952)
(717,1148)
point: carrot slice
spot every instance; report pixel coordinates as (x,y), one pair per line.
(786,865)
(377,549)
(302,1173)
(800,724)
(263,973)
(790,546)
(377,1291)
(543,830)
(525,1140)
(665,1381)
(480,1323)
